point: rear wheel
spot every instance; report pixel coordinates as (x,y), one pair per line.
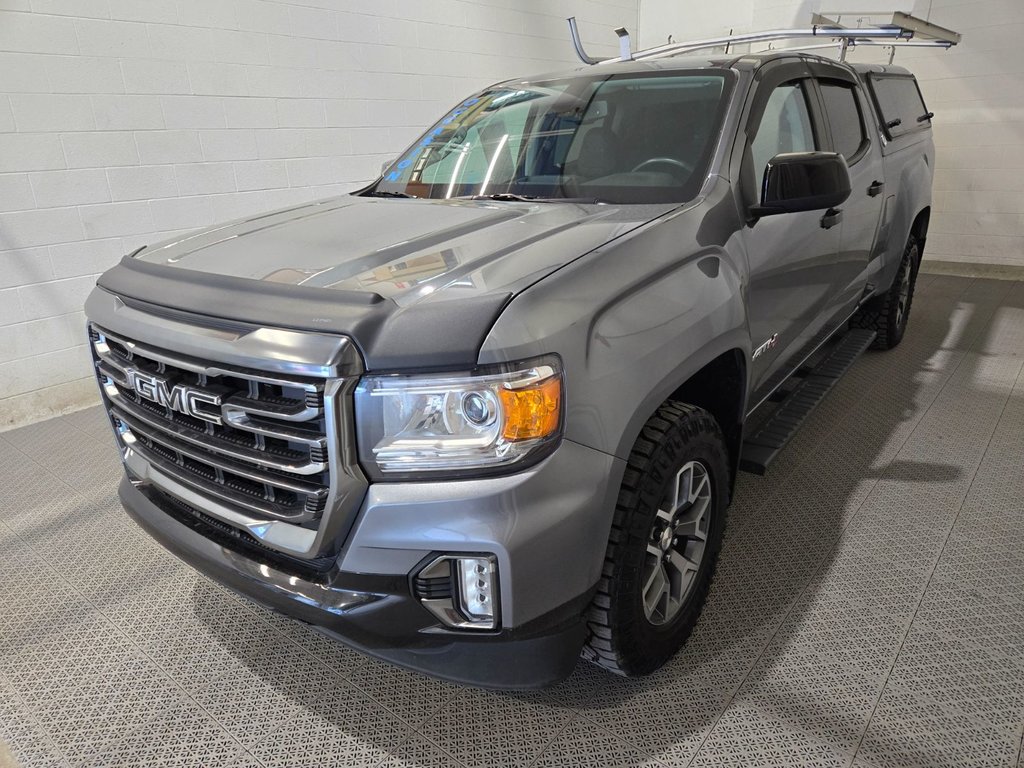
(664,542)
(888,314)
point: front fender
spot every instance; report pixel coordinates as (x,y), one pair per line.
(632,323)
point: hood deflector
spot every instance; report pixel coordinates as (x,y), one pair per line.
(389,336)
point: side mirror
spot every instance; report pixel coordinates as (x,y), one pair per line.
(803,181)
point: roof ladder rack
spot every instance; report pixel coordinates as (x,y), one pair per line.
(901,31)
(925,33)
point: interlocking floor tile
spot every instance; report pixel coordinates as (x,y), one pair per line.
(183,736)
(355,732)
(244,760)
(88,719)
(234,665)
(584,744)
(418,752)
(484,728)
(920,740)
(26,738)
(93,421)
(411,696)
(668,715)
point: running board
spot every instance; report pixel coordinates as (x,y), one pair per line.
(768,441)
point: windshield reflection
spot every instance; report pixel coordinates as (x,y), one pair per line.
(633,138)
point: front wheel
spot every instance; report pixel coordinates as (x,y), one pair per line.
(664,543)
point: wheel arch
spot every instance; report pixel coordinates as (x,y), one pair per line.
(919,229)
(720,388)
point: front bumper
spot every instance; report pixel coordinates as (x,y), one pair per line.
(547,527)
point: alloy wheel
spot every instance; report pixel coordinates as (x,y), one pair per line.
(903,301)
(677,542)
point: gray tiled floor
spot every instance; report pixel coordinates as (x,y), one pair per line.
(868,611)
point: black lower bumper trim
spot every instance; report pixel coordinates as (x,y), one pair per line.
(377,614)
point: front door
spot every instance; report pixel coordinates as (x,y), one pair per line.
(791,256)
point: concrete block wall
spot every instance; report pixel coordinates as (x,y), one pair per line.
(123,122)
(976,91)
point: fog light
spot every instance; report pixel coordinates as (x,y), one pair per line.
(461,590)
(476,588)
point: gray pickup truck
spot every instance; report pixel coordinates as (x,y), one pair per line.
(484,416)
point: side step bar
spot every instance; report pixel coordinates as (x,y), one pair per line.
(768,440)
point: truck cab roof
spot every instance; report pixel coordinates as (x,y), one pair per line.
(741,62)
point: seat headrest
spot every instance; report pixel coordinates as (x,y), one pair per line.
(597,154)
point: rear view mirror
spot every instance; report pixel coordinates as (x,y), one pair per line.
(803,181)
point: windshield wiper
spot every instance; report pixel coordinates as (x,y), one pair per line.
(383,193)
(509,197)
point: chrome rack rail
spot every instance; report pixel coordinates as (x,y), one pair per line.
(903,31)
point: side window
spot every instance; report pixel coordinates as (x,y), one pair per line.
(785,127)
(899,103)
(844,118)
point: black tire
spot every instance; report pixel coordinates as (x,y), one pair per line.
(622,637)
(887,315)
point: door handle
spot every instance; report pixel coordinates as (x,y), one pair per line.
(832,217)
(875,188)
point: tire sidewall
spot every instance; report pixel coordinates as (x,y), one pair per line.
(909,262)
(659,642)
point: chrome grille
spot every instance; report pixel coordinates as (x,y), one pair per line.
(253,442)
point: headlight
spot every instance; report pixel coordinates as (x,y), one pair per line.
(445,422)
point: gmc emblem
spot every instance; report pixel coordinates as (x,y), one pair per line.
(178,398)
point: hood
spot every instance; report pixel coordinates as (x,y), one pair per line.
(398,249)
(412,282)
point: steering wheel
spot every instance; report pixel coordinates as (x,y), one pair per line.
(677,164)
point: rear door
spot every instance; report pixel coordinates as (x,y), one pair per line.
(846,112)
(791,256)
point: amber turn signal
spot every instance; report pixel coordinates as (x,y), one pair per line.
(532,411)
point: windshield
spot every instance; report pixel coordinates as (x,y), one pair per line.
(622,138)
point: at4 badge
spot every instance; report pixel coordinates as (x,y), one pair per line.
(770,344)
